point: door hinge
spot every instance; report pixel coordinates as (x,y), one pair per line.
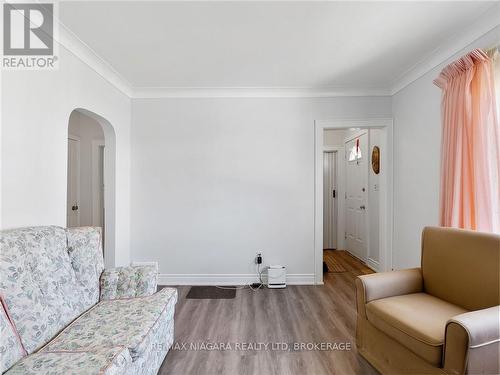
(333,193)
(345,235)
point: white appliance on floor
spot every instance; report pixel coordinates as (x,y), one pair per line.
(276,277)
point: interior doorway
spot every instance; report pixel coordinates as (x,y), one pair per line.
(86,160)
(360,209)
(358,221)
(95,198)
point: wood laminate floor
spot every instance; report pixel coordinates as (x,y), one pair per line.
(281,318)
(342,261)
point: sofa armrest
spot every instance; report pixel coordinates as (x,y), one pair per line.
(387,284)
(128,282)
(472,342)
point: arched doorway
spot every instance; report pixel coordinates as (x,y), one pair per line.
(91,176)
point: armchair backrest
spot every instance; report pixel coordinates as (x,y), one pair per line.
(461,266)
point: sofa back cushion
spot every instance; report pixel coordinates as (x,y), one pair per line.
(86,257)
(461,267)
(38,283)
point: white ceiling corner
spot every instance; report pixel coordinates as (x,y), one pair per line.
(482,25)
(70,41)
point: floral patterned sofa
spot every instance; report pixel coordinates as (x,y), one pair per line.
(63,313)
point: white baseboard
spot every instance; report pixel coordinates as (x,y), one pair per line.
(373,264)
(227,279)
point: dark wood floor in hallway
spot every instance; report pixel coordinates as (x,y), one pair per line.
(298,314)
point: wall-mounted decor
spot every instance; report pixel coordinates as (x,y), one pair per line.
(376,159)
(355,153)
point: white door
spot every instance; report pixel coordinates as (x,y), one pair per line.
(329,200)
(356,195)
(73,214)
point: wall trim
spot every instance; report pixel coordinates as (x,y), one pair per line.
(481,26)
(373,264)
(227,279)
(253,92)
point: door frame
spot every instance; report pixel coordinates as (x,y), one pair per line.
(96,143)
(77,139)
(386,216)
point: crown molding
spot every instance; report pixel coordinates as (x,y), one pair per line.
(67,39)
(481,26)
(252,92)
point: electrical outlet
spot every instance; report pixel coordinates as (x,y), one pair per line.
(258,258)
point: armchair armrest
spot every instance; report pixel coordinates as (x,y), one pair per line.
(128,282)
(472,342)
(387,284)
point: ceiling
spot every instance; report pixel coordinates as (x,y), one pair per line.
(243,44)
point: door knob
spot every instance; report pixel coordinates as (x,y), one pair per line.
(362,207)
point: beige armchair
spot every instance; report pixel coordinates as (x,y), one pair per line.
(442,318)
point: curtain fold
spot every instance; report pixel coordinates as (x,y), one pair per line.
(469,192)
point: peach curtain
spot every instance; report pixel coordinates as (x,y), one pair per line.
(469,195)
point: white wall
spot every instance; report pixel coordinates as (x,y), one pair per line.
(417,140)
(87,130)
(216,180)
(36,106)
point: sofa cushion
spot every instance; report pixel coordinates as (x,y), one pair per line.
(416,321)
(112,361)
(11,349)
(85,254)
(128,282)
(125,322)
(38,283)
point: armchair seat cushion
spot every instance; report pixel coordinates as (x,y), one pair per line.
(126,322)
(417,321)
